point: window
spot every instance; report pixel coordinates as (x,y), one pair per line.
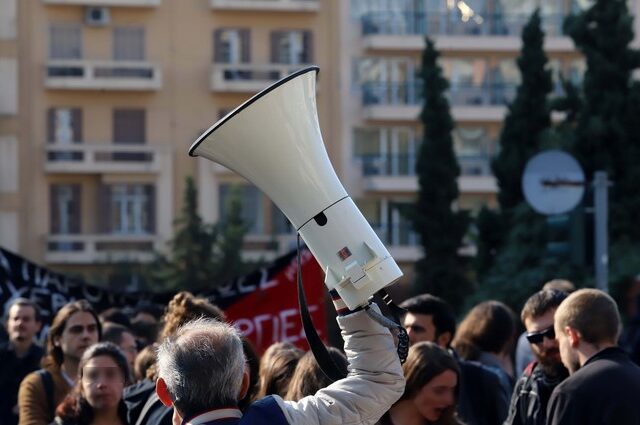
(231,45)
(291,47)
(388,222)
(64,125)
(64,209)
(128,43)
(128,208)
(251,205)
(387,81)
(129,126)
(386,151)
(472,146)
(65,41)
(467,77)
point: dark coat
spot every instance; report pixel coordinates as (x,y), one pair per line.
(12,371)
(531,396)
(605,390)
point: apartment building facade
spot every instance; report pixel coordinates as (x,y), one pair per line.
(110,94)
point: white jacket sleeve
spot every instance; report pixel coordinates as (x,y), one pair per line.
(375,380)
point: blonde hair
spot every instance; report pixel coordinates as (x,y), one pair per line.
(591,312)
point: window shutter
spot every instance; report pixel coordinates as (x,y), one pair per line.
(76,124)
(129,126)
(275,46)
(104,210)
(307,43)
(54,216)
(245,43)
(75,215)
(149,191)
(51,125)
(217,46)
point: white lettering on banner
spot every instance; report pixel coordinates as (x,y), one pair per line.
(5,263)
(245,289)
(281,325)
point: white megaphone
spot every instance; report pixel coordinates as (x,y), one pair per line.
(274,141)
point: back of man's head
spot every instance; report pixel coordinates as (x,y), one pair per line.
(202,366)
(442,314)
(592,313)
(541,302)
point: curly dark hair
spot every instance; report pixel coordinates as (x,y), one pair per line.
(185,307)
(75,408)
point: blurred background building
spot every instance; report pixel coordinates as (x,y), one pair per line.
(100,100)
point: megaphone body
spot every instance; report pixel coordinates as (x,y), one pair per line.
(274,141)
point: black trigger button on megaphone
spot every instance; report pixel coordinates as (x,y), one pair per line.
(321,219)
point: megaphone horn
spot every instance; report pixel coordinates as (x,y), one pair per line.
(274,141)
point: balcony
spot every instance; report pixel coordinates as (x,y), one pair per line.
(393,173)
(114,3)
(266,5)
(247,77)
(403,101)
(89,249)
(103,158)
(401,241)
(78,74)
(394,30)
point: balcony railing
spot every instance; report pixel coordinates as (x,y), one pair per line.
(114,3)
(410,93)
(272,5)
(247,77)
(453,23)
(102,158)
(78,74)
(402,165)
(87,249)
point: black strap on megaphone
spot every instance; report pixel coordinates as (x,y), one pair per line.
(319,350)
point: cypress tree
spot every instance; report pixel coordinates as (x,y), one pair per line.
(527,118)
(441,229)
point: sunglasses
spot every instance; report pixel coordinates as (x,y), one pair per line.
(538,337)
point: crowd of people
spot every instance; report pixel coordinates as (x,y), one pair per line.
(189,365)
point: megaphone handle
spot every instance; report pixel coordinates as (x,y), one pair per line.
(319,350)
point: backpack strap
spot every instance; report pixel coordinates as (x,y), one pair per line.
(47,383)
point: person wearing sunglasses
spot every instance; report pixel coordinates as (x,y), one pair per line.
(532,391)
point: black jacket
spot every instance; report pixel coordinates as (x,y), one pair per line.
(481,398)
(143,405)
(605,390)
(12,371)
(531,396)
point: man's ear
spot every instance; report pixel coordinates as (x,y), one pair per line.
(573,335)
(163,393)
(245,384)
(444,339)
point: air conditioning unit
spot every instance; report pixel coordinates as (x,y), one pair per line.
(96,16)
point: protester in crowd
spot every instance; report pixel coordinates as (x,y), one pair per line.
(19,356)
(533,389)
(308,378)
(482,400)
(142,401)
(74,328)
(96,398)
(487,335)
(144,360)
(114,315)
(276,368)
(524,354)
(208,355)
(429,397)
(253,365)
(604,383)
(123,338)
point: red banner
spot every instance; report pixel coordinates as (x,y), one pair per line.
(268,311)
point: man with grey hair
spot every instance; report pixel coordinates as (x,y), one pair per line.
(604,383)
(202,374)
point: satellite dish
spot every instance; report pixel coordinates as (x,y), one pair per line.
(553,182)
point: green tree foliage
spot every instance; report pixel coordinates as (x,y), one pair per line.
(201,255)
(607,131)
(189,265)
(233,229)
(527,120)
(527,117)
(441,270)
